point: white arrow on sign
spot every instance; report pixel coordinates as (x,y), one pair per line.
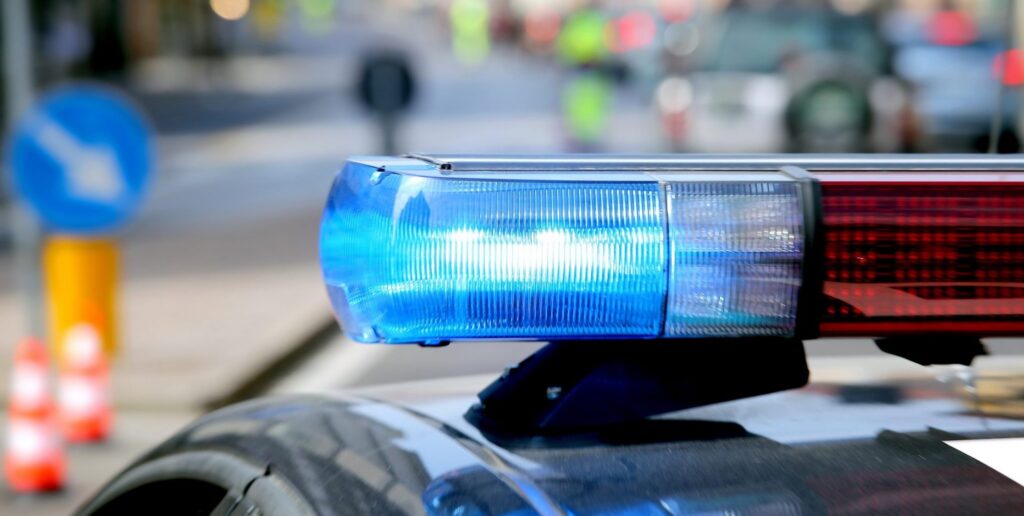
(92,171)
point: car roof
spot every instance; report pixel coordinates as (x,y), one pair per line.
(403,448)
(823,448)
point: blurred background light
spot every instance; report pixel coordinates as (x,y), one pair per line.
(541,27)
(633,31)
(230,9)
(675,11)
(681,39)
(951,28)
(852,7)
(766,94)
(674,95)
(1009,67)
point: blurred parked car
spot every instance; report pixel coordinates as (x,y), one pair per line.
(955,95)
(789,80)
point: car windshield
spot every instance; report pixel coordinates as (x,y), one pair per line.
(761,42)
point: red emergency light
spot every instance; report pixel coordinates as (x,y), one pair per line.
(916,253)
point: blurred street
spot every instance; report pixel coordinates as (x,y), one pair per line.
(221,291)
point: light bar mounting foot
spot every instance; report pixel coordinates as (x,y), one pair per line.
(934,349)
(580,385)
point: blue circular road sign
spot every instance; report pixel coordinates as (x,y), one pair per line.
(81,158)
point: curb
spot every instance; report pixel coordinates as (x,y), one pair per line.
(257,382)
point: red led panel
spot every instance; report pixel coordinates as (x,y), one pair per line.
(916,257)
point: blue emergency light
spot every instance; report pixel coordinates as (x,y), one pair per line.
(426,250)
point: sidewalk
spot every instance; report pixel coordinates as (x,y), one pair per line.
(203,309)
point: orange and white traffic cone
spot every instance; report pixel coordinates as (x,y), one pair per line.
(84,386)
(34,459)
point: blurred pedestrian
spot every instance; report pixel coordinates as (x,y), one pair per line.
(585,104)
(470,28)
(586,97)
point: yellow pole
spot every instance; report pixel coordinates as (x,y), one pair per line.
(80,277)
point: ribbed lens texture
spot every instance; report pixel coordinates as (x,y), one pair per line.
(736,259)
(923,258)
(413,259)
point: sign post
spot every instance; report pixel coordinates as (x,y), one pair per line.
(386,86)
(81,159)
(18,85)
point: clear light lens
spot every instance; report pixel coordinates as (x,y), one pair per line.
(408,258)
(415,259)
(736,259)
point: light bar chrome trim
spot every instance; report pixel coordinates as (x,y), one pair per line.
(658,162)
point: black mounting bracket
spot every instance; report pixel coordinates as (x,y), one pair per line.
(934,349)
(578,385)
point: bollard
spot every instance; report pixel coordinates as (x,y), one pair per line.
(80,276)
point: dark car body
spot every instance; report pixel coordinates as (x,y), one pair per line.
(407,449)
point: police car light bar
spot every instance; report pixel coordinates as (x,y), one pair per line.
(431,249)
